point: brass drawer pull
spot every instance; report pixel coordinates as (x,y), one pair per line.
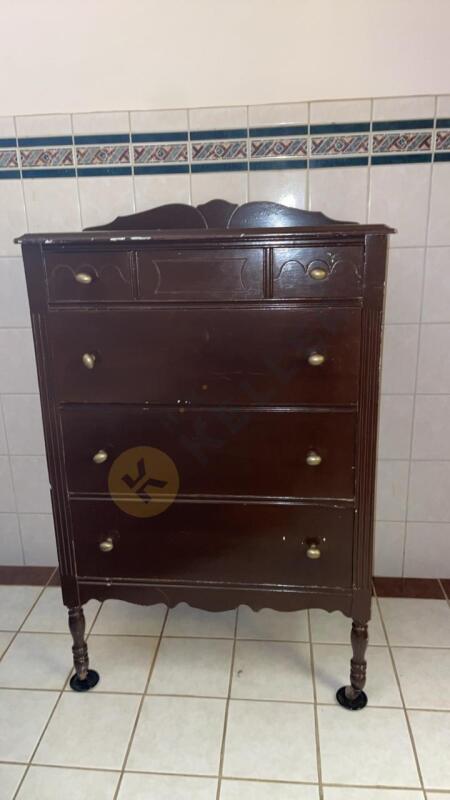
(88,360)
(313,551)
(313,459)
(106,545)
(318,273)
(84,278)
(100,457)
(316,359)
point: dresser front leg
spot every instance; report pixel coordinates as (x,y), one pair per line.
(353,697)
(84,678)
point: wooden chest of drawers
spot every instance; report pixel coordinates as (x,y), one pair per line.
(209,386)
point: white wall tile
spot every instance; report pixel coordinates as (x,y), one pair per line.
(10,546)
(7,128)
(17,361)
(159,121)
(443,105)
(329,111)
(389,108)
(434,362)
(431,435)
(104,198)
(391,491)
(388,549)
(278,114)
(340,193)
(399,197)
(44,125)
(231,186)
(404,284)
(23,420)
(436,301)
(398,366)
(38,539)
(217,118)
(427,551)
(7,501)
(281,186)
(13,221)
(156,190)
(100,123)
(429,495)
(52,204)
(395,423)
(439,226)
(14,308)
(31,484)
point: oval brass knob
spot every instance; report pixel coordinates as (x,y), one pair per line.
(100,457)
(83,277)
(88,360)
(106,545)
(313,551)
(318,273)
(316,359)
(313,459)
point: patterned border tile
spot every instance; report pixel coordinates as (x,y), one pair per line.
(157,153)
(219,150)
(46,157)
(339,145)
(401,142)
(8,159)
(443,140)
(278,148)
(105,154)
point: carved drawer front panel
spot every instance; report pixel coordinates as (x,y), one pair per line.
(318,271)
(215,451)
(225,543)
(88,277)
(207,356)
(219,274)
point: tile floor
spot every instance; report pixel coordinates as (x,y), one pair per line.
(236,706)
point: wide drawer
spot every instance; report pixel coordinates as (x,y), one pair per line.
(318,272)
(207,356)
(88,277)
(231,543)
(215,451)
(219,274)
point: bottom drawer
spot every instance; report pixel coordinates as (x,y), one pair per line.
(232,543)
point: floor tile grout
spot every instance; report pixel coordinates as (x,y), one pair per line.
(227,707)
(19,629)
(316,715)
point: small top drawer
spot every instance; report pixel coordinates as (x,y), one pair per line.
(88,277)
(219,274)
(318,272)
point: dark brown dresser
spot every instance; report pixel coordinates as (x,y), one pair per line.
(209,388)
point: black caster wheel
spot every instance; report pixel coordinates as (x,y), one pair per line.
(91,680)
(355,704)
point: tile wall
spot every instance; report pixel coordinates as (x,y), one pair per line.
(370,160)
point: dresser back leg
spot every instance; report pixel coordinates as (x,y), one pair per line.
(353,697)
(85,678)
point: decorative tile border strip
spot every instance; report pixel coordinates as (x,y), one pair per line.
(266,147)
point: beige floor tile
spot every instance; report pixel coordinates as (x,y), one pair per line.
(335,628)
(23,716)
(37,661)
(192,666)
(166,787)
(344,793)
(376,740)
(431,733)
(117,617)
(424,676)
(423,623)
(289,626)
(272,671)
(45,783)
(186,621)
(178,734)
(123,662)
(50,614)
(10,775)
(332,670)
(270,741)
(258,790)
(15,603)
(5,639)
(89,730)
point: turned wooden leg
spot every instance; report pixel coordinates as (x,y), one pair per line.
(85,678)
(353,697)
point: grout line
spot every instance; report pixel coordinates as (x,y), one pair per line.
(143,696)
(227,706)
(316,715)
(131,157)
